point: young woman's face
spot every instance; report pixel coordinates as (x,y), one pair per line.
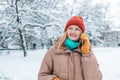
(73,32)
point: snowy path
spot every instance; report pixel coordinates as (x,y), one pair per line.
(15,67)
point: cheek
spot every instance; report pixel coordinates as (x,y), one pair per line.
(68,33)
(79,33)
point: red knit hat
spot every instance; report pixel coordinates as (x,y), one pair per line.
(76,20)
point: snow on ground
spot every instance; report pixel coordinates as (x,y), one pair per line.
(14,66)
(108,59)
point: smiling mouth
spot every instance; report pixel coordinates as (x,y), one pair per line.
(73,35)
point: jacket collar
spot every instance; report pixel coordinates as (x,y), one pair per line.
(65,50)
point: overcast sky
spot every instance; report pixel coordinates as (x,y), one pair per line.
(114,4)
(114,10)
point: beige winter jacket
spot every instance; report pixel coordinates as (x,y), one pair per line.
(69,65)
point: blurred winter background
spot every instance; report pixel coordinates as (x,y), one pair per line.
(29,27)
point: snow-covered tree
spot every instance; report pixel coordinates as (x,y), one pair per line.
(32,24)
(100,23)
(96,19)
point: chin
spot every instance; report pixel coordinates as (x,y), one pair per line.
(74,39)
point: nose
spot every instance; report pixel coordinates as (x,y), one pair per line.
(72,31)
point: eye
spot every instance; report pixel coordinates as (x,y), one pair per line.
(70,28)
(77,29)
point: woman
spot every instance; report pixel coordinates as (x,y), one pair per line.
(71,57)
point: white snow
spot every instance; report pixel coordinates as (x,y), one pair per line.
(16,67)
(108,59)
(13,66)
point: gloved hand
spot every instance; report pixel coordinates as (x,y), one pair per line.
(56,79)
(85,48)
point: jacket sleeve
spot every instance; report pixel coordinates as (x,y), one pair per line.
(90,67)
(46,69)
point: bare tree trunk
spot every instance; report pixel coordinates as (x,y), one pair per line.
(23,42)
(73,7)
